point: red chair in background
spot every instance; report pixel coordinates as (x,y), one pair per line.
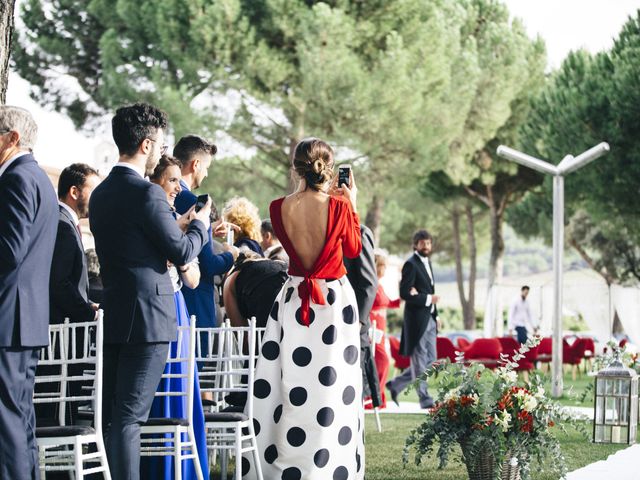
(463,344)
(484,350)
(509,347)
(573,354)
(545,350)
(400,361)
(623,343)
(445,349)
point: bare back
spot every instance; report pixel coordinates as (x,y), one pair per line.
(305,218)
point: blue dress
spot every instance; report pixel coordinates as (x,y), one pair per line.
(155,468)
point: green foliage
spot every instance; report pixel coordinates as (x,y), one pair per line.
(591,99)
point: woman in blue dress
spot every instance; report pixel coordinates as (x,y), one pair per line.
(167,175)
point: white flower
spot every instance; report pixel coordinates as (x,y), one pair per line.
(502,420)
(507,375)
(540,393)
(530,403)
(476,399)
(520,394)
(452,394)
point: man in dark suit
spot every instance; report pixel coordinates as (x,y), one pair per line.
(420,327)
(195,154)
(136,234)
(69,282)
(28,223)
(361,272)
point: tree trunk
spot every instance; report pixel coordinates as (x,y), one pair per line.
(374,216)
(6,32)
(495,265)
(467,300)
(470,324)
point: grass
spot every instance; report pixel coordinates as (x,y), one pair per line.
(384,453)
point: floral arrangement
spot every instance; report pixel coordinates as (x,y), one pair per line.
(490,413)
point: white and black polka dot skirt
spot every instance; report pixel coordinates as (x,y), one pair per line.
(308,410)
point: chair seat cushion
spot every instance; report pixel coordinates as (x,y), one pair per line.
(208,403)
(166,422)
(225,417)
(64,431)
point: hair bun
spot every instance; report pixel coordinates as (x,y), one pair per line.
(318,167)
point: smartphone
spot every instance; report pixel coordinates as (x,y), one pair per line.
(230,238)
(201,201)
(344,174)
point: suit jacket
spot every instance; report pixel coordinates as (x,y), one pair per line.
(362,275)
(69,281)
(201,300)
(28,223)
(135,234)
(416,313)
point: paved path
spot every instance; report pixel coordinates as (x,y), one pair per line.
(622,465)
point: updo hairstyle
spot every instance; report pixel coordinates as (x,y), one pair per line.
(313,161)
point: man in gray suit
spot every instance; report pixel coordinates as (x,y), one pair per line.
(136,234)
(28,224)
(420,327)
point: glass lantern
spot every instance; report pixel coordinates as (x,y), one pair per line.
(615,412)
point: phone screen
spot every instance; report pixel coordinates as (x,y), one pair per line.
(343,176)
(201,201)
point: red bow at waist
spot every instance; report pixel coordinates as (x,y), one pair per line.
(309,289)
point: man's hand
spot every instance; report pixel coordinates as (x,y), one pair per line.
(94,306)
(435,299)
(413,292)
(220,228)
(438,324)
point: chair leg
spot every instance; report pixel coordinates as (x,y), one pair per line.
(574,371)
(177,454)
(238,442)
(194,450)
(77,455)
(376,412)
(103,458)
(43,471)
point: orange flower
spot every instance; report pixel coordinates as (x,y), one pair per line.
(551,423)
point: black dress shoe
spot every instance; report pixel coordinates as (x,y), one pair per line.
(394,394)
(428,405)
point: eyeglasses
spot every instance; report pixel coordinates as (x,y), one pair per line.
(4,130)
(163,148)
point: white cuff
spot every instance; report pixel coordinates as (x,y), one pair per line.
(428,300)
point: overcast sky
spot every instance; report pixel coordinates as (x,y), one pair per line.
(565,25)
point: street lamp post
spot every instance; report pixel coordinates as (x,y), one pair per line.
(567,165)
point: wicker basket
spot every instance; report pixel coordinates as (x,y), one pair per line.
(481,465)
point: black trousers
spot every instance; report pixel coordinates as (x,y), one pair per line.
(131,375)
(18,448)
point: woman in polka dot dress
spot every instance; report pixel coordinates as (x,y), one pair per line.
(308,384)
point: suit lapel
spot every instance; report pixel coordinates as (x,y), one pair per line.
(70,221)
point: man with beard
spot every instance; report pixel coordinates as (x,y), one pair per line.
(69,281)
(136,234)
(420,327)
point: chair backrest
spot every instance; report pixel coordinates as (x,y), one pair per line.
(509,345)
(445,348)
(484,348)
(546,346)
(74,354)
(228,363)
(463,343)
(179,373)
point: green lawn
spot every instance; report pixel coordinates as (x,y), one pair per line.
(384,453)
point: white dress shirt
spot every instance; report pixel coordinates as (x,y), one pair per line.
(6,164)
(425,262)
(520,314)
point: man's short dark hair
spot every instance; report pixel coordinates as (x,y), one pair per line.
(75,175)
(421,235)
(133,123)
(525,287)
(266,226)
(191,145)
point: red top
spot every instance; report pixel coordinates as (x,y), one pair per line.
(379,308)
(342,239)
